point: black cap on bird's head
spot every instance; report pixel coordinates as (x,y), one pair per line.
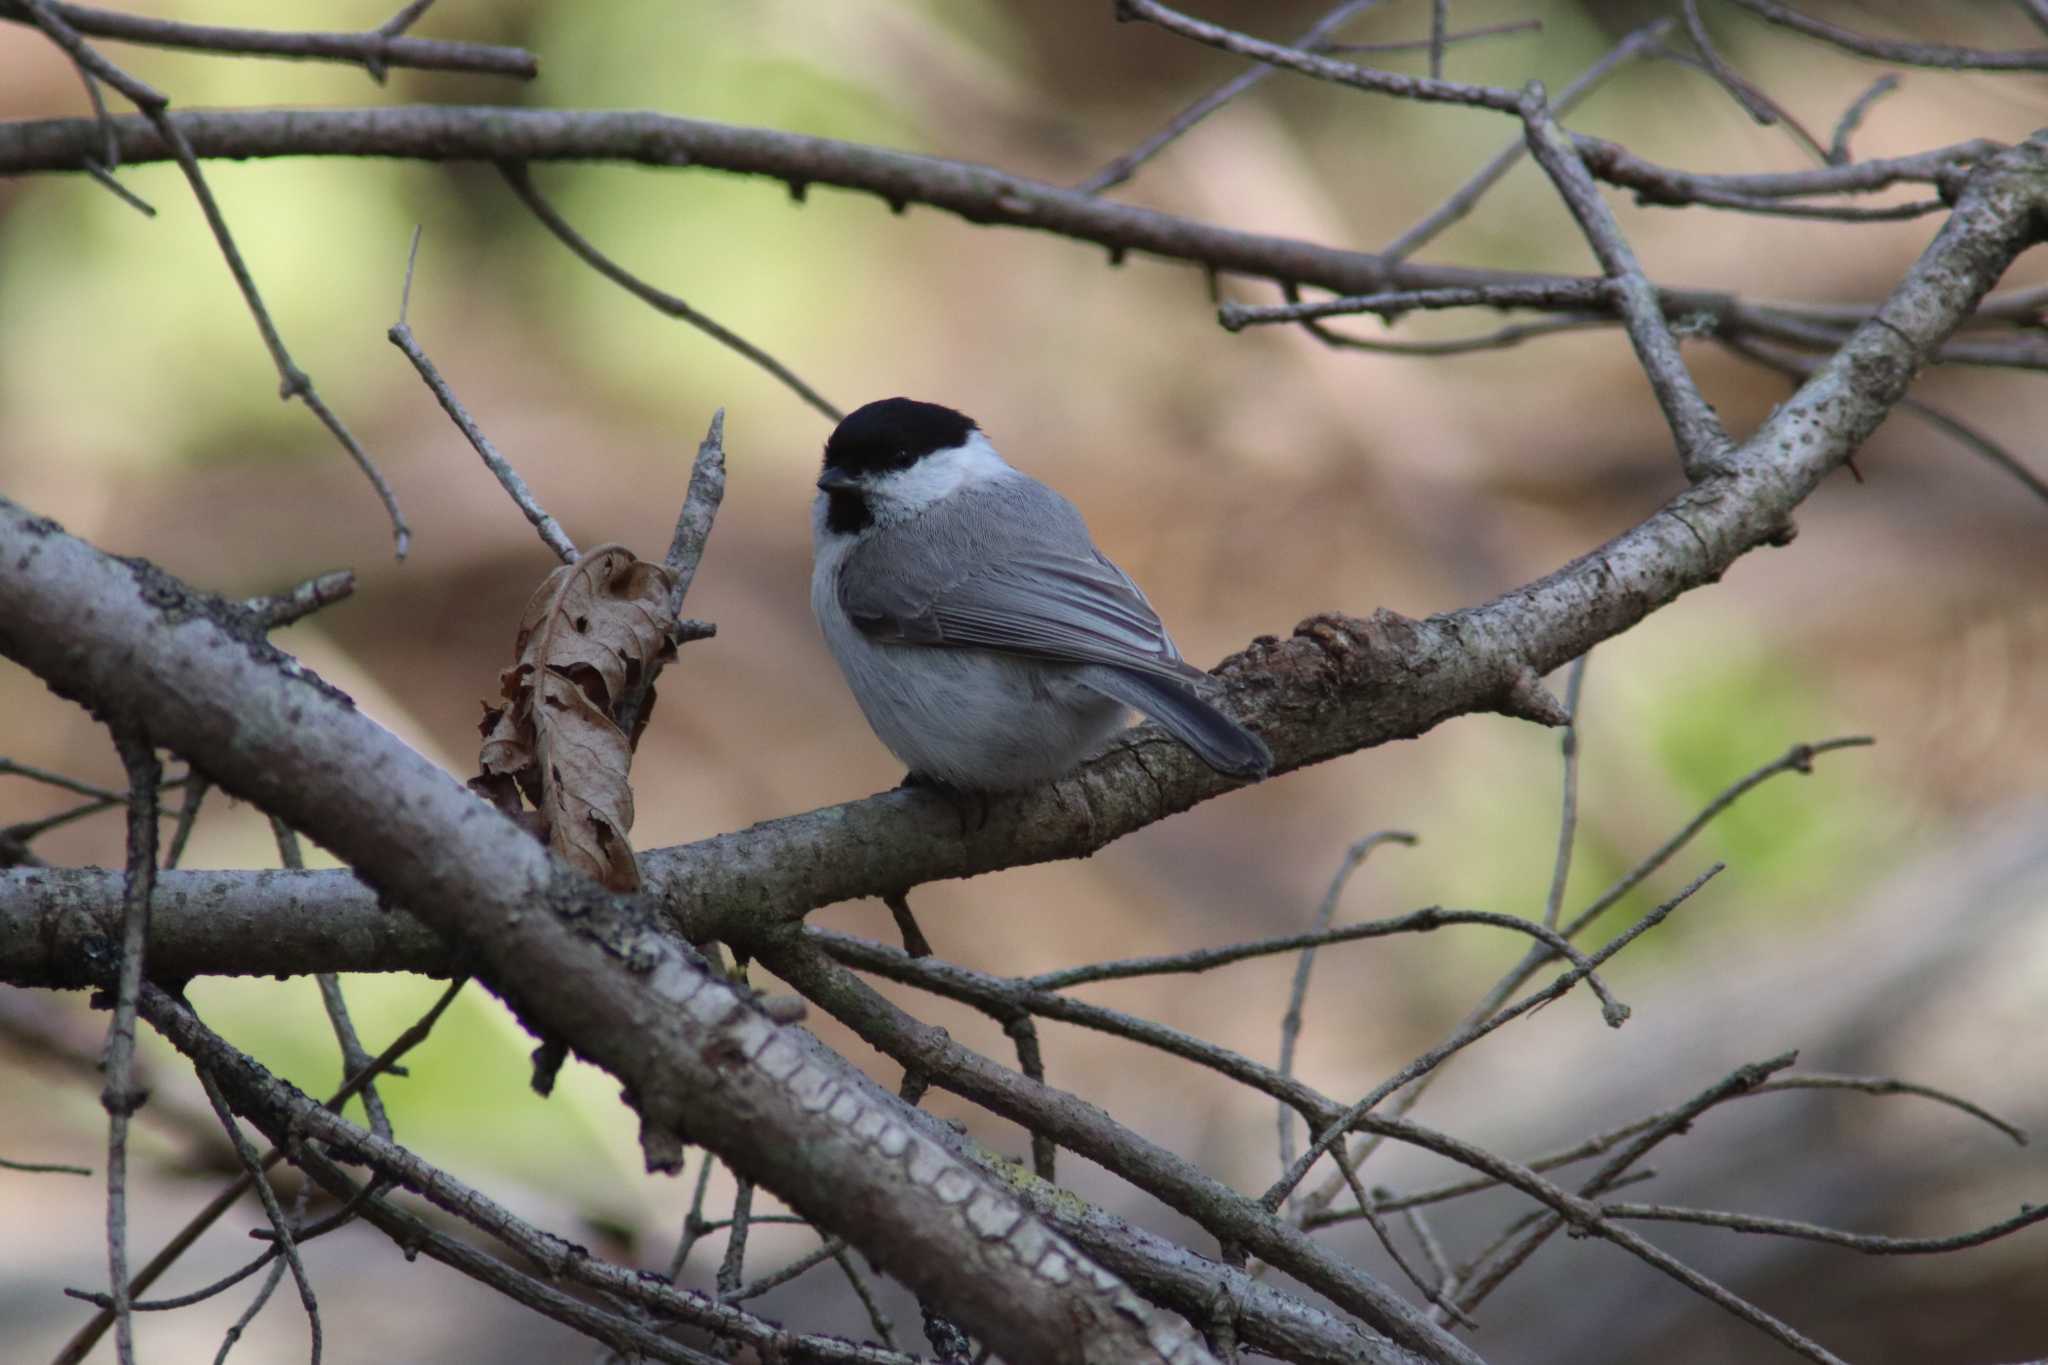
(892,433)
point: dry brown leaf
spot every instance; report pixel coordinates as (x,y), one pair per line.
(589,633)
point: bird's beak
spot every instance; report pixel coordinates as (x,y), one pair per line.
(836,478)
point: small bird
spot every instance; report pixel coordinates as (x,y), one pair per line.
(989,643)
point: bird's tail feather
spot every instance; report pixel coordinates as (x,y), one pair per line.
(1217,740)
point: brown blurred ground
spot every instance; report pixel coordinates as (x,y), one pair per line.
(1246,481)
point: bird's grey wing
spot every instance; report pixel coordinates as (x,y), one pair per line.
(1012,570)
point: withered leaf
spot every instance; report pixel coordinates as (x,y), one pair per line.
(588,635)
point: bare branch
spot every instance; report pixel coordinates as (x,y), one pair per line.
(83,1340)
(1640,43)
(1965,435)
(279,1109)
(1799,758)
(1703,444)
(1852,118)
(1887,50)
(1297,994)
(279,1224)
(599,971)
(1502,30)
(282,609)
(977,193)
(516,176)
(1333,1133)
(1568,806)
(1886,1085)
(1573,294)
(700,507)
(119,1097)
(1314,39)
(354,1060)
(1759,106)
(1867,1243)
(155,107)
(1321,68)
(44,1168)
(400,335)
(373,51)
(1084,1129)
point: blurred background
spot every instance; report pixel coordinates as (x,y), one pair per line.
(1881,914)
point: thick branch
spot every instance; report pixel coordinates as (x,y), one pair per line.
(696,1055)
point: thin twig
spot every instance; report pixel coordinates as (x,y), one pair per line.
(354,1058)
(1315,39)
(119,1097)
(1439,24)
(1799,758)
(1887,1085)
(1321,68)
(1886,50)
(694,1226)
(1431,1291)
(1870,1244)
(1679,1119)
(1703,444)
(1758,105)
(1852,118)
(282,609)
(907,927)
(885,1329)
(379,48)
(44,1168)
(1568,818)
(694,519)
(1297,994)
(10,768)
(86,1337)
(1429,1061)
(155,106)
(341,1218)
(732,1268)
(400,335)
(1444,1293)
(1636,44)
(196,788)
(833,1247)
(102,171)
(1423,921)
(516,176)
(1422,44)
(700,507)
(1557,294)
(1514,334)
(408,14)
(252,1165)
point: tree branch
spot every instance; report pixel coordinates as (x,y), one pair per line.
(1339,685)
(979,194)
(374,51)
(696,1055)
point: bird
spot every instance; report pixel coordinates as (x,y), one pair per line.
(991,646)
